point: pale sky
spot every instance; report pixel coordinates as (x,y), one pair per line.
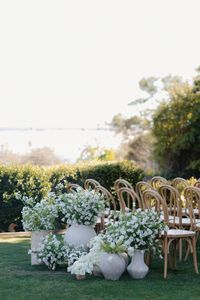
(77,63)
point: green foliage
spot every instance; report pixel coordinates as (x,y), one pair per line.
(36,182)
(177,130)
(30,181)
(96,153)
(107,173)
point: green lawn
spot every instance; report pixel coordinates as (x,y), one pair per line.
(20,281)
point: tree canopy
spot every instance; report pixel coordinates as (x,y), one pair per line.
(176,126)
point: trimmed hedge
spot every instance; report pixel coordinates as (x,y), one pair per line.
(37,182)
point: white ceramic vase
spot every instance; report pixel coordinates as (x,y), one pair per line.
(111,265)
(137,268)
(77,235)
(36,237)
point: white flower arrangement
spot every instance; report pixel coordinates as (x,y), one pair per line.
(81,206)
(85,264)
(138,230)
(42,216)
(52,252)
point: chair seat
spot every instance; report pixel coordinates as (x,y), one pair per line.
(179,233)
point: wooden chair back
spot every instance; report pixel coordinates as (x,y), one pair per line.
(153,200)
(179,183)
(73,187)
(174,204)
(157,181)
(140,187)
(128,199)
(192,198)
(91,183)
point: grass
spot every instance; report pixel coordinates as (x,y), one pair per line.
(21,281)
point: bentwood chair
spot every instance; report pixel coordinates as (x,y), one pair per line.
(128,199)
(153,200)
(177,210)
(110,204)
(119,183)
(73,187)
(192,198)
(157,181)
(140,187)
(179,183)
(91,183)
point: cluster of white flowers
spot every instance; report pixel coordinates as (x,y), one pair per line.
(81,206)
(85,264)
(27,201)
(42,216)
(52,251)
(138,230)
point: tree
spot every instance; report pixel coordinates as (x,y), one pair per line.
(90,153)
(176,126)
(41,156)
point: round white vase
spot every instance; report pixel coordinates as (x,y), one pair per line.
(79,235)
(36,237)
(111,265)
(137,268)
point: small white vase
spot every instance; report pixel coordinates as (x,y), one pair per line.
(36,237)
(111,265)
(79,235)
(137,268)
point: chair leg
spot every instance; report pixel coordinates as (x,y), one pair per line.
(174,256)
(180,250)
(195,255)
(187,252)
(165,256)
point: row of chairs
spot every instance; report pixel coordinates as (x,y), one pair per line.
(177,212)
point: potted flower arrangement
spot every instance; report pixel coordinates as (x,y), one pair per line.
(52,251)
(80,210)
(39,219)
(105,257)
(138,231)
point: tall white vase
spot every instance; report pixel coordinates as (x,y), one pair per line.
(36,237)
(137,268)
(79,235)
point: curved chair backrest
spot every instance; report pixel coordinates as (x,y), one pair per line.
(140,187)
(109,203)
(73,187)
(128,199)
(109,199)
(157,181)
(153,200)
(91,183)
(119,183)
(174,203)
(179,183)
(192,198)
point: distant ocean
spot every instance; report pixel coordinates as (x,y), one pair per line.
(67,143)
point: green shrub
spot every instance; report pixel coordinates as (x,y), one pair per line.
(36,182)
(29,180)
